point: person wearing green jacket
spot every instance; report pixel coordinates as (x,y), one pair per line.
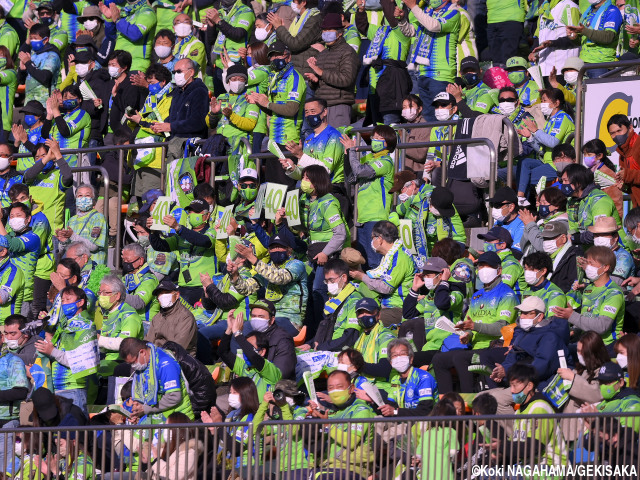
(498,240)
(139,281)
(8,87)
(505,22)
(537,268)
(617,397)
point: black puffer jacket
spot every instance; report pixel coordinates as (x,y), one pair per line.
(201,384)
(339,64)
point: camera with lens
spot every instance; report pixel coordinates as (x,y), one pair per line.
(279,398)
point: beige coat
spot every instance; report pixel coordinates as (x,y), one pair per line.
(181,465)
(581,392)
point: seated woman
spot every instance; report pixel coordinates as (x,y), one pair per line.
(596,158)
(552,207)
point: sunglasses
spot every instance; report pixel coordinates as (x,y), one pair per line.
(510,100)
(247,185)
(181,71)
(441,105)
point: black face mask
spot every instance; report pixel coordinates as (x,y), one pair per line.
(314,121)
(278,258)
(46,21)
(367,321)
(278,64)
(621,139)
(127,267)
(471,79)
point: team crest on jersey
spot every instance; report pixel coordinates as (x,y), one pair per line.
(410,392)
(186,183)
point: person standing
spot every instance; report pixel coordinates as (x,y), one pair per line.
(505,19)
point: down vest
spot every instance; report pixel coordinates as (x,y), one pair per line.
(339,64)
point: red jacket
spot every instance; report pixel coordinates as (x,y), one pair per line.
(630,165)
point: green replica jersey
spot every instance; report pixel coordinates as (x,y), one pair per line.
(14,375)
(550,294)
(82,468)
(373,344)
(141,17)
(479,98)
(48,191)
(73,336)
(12,285)
(512,272)
(606,301)
(431,314)
(323,215)
(350,444)
(92,227)
(560,126)
(490,306)
(397,269)
(9,37)
(239,16)
(352,37)
(325,149)
(438,49)
(630,16)
(225,286)
(121,322)
(374,199)
(528,93)
(194,260)
(346,318)
(24,249)
(287,85)
(435,447)
(48,60)
(162,263)
(545,431)
(466,38)
(626,401)
(230,127)
(290,299)
(59,39)
(193,49)
(46,262)
(165,13)
(69,21)
(607,17)
(258,81)
(505,11)
(8,87)
(79,123)
(264,379)
(583,211)
(142,284)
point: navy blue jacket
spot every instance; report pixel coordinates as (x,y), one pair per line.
(189,107)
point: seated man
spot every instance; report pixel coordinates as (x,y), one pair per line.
(557,244)
(498,240)
(504,210)
(12,281)
(174,322)
(139,281)
(19,339)
(537,268)
(605,234)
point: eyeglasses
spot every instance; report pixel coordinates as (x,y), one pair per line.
(331,280)
(182,71)
(247,185)
(510,100)
(101,292)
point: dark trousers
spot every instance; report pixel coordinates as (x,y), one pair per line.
(490,357)
(503,38)
(191,294)
(443,362)
(273,171)
(40,290)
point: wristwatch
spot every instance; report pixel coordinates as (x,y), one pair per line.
(238,333)
(395,412)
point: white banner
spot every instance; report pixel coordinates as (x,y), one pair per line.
(605,98)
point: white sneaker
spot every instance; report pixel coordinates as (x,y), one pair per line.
(523,202)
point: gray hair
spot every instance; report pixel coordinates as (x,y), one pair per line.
(385,230)
(191,64)
(115,282)
(632,219)
(399,342)
(90,187)
(136,249)
(80,248)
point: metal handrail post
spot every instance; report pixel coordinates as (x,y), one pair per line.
(116,254)
(247,143)
(163,168)
(580,99)
(105,182)
(493,173)
(402,153)
(512,139)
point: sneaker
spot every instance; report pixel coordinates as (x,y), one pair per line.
(112,241)
(523,202)
(481,369)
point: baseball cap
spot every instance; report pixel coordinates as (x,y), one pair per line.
(468,63)
(490,258)
(400,178)
(83,54)
(435,264)
(266,305)
(442,200)
(165,286)
(532,303)
(46,6)
(504,195)
(280,240)
(148,198)
(445,98)
(497,233)
(610,372)
(198,206)
(352,257)
(517,62)
(278,48)
(368,304)
(554,229)
(33,107)
(248,173)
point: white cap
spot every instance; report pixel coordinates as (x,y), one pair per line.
(532,303)
(444,97)
(249,173)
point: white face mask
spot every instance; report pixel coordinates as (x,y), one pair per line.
(434,210)
(236,86)
(403,197)
(592,273)
(581,360)
(82,69)
(296,8)
(165,300)
(546,109)
(343,367)
(571,77)
(4,163)
(17,449)
(162,51)
(17,224)
(409,114)
(183,29)
(429,283)
(507,108)
(622,360)
(401,364)
(259,324)
(90,24)
(12,344)
(261,34)
(497,215)
(602,241)
(526,323)
(531,277)
(180,79)
(333,288)
(114,72)
(487,274)
(549,246)
(372,247)
(234,401)
(442,114)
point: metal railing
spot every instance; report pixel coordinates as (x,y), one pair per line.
(619,66)
(342,448)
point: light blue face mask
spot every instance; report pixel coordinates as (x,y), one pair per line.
(84,204)
(490,247)
(377,145)
(329,36)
